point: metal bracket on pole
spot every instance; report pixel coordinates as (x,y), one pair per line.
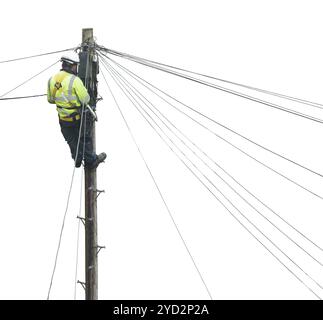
(99,248)
(82,219)
(83,284)
(98,192)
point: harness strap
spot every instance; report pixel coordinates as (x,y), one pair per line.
(71,107)
(58,84)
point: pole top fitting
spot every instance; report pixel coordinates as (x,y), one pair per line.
(87,35)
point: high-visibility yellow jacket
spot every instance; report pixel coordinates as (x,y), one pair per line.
(68,93)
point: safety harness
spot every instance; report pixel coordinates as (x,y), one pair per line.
(58,85)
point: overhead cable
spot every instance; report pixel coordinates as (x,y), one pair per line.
(66,209)
(29,79)
(287,97)
(118,76)
(81,190)
(140,96)
(24,97)
(220,124)
(77,252)
(37,55)
(225,198)
(143,83)
(159,192)
(237,148)
(79,216)
(236,93)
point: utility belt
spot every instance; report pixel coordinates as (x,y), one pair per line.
(75,116)
(70,119)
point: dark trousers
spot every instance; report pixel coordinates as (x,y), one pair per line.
(70,131)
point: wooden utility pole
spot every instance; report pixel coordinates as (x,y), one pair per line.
(88,70)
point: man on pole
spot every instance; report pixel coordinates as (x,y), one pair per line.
(67,91)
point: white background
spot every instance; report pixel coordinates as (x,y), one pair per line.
(275,45)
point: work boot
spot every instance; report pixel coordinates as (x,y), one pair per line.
(99,158)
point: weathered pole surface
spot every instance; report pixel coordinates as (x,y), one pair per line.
(88,73)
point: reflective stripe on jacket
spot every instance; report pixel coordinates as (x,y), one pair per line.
(67,92)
